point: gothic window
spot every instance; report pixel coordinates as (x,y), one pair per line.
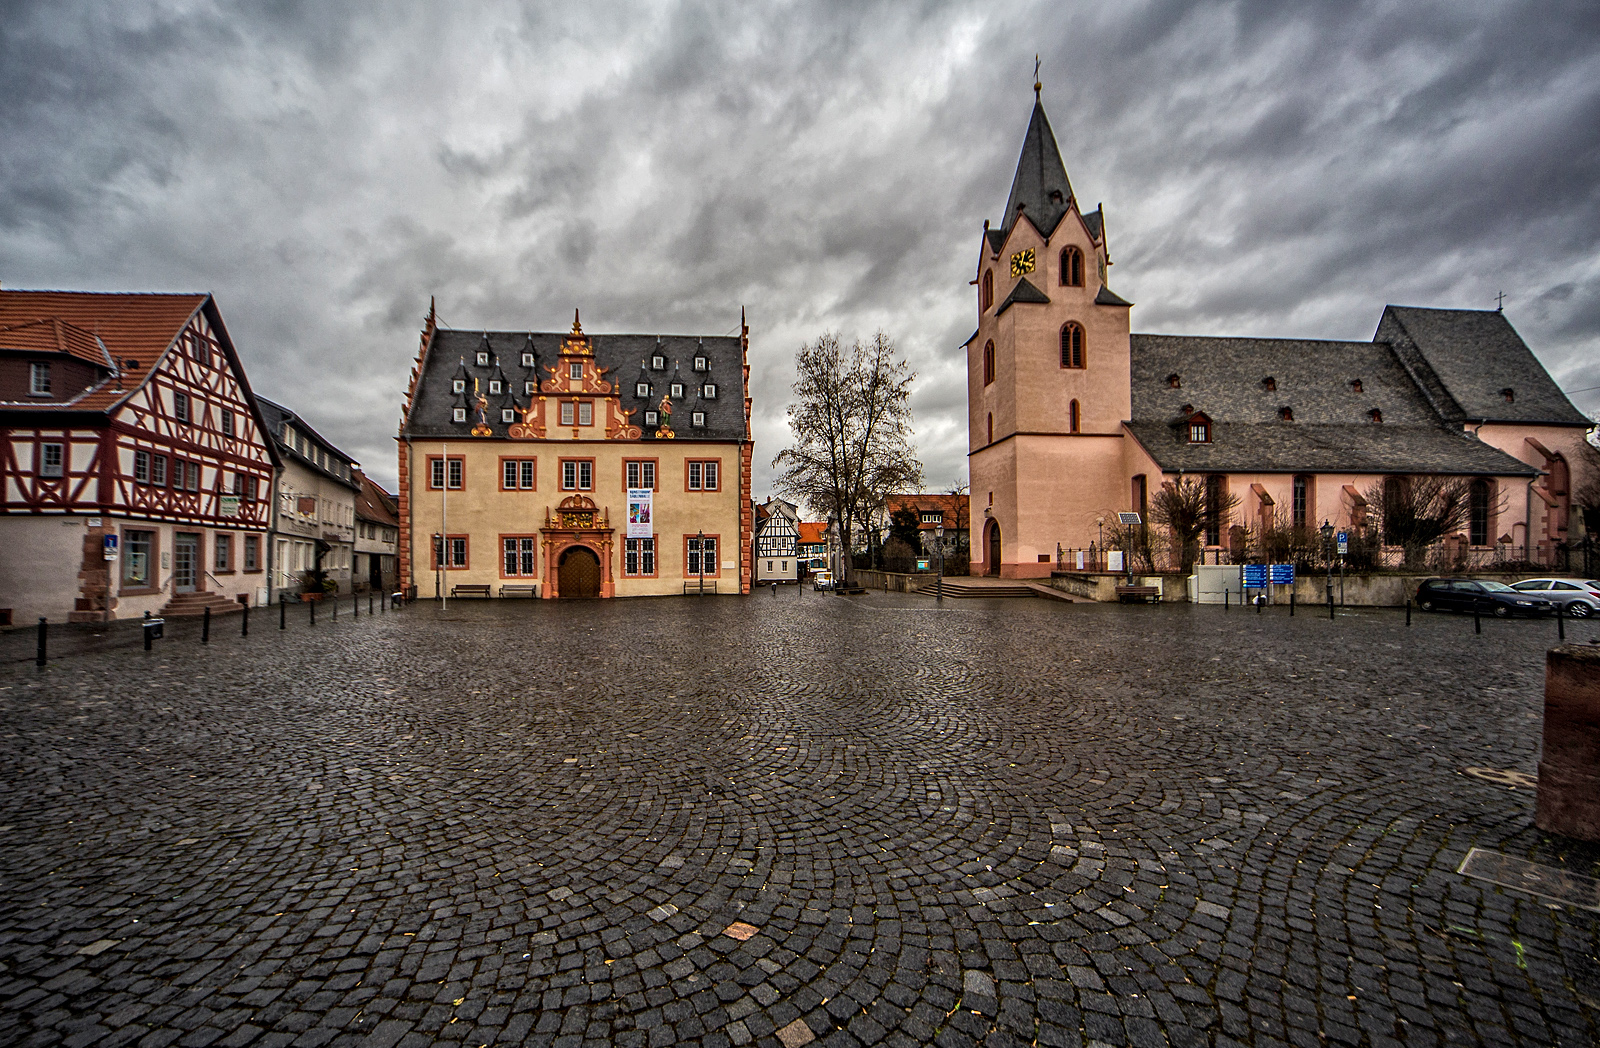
(1071,345)
(1478,513)
(1071,267)
(986,295)
(1213,516)
(1072,417)
(1301,501)
(988,362)
(991,428)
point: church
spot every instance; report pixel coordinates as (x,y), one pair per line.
(1072,418)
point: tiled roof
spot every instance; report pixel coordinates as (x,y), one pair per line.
(626,358)
(952,507)
(54,335)
(373,503)
(813,532)
(133,326)
(1330,389)
(1467,358)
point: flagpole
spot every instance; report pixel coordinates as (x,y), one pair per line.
(444,530)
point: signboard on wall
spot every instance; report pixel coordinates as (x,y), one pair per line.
(230,506)
(640,518)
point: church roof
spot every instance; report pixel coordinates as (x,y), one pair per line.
(1467,360)
(1292,405)
(1040,185)
(1023,292)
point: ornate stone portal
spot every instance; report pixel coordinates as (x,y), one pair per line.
(577,522)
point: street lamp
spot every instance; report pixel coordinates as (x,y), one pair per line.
(700,541)
(938,586)
(1100,541)
(1327,554)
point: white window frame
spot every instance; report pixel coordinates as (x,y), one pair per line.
(47,468)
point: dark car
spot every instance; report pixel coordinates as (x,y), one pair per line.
(1495,598)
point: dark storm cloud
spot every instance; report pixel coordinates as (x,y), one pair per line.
(1266,168)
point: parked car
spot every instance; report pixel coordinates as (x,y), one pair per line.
(822,580)
(1496,598)
(1581,596)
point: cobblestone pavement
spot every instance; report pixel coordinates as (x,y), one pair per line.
(785,820)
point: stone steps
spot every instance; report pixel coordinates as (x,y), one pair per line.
(193,605)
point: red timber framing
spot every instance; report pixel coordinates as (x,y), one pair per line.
(121,442)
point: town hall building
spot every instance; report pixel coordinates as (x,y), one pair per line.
(1072,418)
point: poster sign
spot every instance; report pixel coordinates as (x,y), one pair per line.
(1114,560)
(640,521)
(230,505)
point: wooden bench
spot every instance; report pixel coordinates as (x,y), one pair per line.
(520,589)
(470,590)
(694,587)
(1138,594)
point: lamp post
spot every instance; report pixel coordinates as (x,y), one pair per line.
(938,585)
(701,540)
(1100,540)
(1327,554)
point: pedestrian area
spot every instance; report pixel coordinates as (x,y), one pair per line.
(787,820)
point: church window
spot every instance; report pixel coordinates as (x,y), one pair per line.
(1072,417)
(1071,267)
(1375,415)
(1071,345)
(496,386)
(458,415)
(1300,500)
(988,362)
(986,295)
(508,415)
(641,389)
(1173,381)
(1286,413)
(1478,513)
(483,359)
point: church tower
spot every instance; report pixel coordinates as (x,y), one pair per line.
(1047,372)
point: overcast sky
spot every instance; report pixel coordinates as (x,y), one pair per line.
(323,168)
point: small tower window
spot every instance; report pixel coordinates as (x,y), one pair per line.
(710,391)
(1072,417)
(699,363)
(988,362)
(658,362)
(1286,414)
(641,389)
(986,292)
(677,390)
(650,417)
(458,386)
(1269,383)
(1071,267)
(527,360)
(496,386)
(1071,345)
(697,419)
(1173,382)
(458,415)
(483,359)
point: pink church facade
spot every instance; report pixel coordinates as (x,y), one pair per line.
(1073,418)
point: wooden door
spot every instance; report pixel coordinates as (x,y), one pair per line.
(185,562)
(580,573)
(993,565)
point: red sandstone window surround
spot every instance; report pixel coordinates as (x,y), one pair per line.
(520,556)
(1071,345)
(456,472)
(702,475)
(519,474)
(456,558)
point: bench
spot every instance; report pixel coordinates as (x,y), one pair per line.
(520,589)
(470,590)
(694,587)
(1138,594)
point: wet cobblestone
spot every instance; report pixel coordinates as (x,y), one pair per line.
(785,821)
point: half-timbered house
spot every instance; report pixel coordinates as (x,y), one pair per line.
(133,466)
(777,541)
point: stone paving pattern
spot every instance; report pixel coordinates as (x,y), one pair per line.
(792,820)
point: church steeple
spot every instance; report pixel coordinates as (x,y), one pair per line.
(1040,186)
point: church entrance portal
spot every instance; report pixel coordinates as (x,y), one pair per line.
(580,573)
(991,565)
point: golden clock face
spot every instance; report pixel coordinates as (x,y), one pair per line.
(1022,262)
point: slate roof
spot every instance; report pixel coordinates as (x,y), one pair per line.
(275,415)
(625,358)
(1039,173)
(1464,359)
(375,504)
(1023,292)
(1332,428)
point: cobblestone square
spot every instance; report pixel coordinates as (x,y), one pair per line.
(784,821)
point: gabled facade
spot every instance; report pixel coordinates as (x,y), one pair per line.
(377,539)
(134,469)
(933,511)
(314,508)
(777,541)
(519,449)
(1073,419)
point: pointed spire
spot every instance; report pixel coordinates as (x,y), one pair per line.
(1040,188)
(577,327)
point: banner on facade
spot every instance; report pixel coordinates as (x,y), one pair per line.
(640,524)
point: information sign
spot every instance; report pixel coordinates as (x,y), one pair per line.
(1282,574)
(1255,575)
(1114,560)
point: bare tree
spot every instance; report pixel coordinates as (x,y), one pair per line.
(851,423)
(1188,509)
(1586,487)
(1415,512)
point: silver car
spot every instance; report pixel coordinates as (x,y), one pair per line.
(1581,596)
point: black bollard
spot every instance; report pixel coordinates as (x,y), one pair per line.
(148,635)
(1561,621)
(1261,602)
(1330,605)
(205,625)
(38,659)
(355,605)
(369,604)
(1477,623)
(1226,593)
(335,607)
(313,606)
(244,621)
(1408,611)
(1291,604)
(283,613)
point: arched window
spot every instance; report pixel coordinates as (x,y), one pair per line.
(1072,417)
(1212,518)
(986,293)
(988,362)
(991,428)
(1300,502)
(1071,267)
(1071,345)
(1478,513)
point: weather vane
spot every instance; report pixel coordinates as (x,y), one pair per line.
(1036,84)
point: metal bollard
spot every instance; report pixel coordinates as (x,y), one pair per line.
(38,659)
(313,606)
(205,625)
(1291,604)
(283,613)
(1477,623)
(1561,621)
(1261,602)
(355,605)
(1330,605)
(1226,594)
(369,604)
(1408,611)
(148,633)
(335,607)
(244,621)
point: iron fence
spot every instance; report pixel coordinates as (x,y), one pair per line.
(1448,557)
